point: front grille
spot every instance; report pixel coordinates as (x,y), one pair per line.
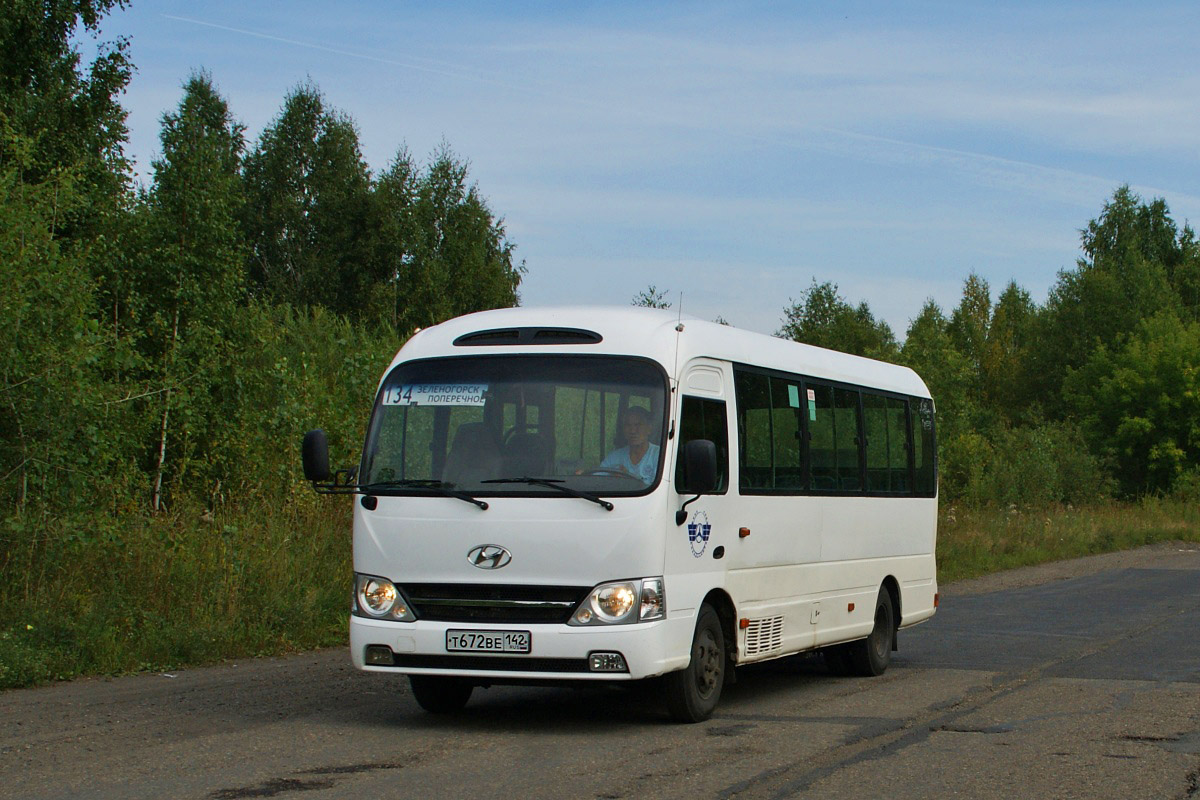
(498,663)
(469,602)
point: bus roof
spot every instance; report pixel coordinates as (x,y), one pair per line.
(648,332)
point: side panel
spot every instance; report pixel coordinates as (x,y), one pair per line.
(773,570)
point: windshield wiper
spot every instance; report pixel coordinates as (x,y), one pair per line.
(555,483)
(441,487)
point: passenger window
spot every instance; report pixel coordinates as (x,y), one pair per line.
(885,425)
(923,447)
(785,434)
(705,419)
(822,455)
(898,446)
(754,430)
(846,439)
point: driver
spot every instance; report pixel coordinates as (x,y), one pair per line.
(639,458)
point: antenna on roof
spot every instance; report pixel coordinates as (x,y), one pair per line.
(680,307)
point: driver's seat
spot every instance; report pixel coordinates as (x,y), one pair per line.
(474,456)
(527,454)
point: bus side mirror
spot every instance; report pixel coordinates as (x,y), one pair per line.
(315,455)
(699,467)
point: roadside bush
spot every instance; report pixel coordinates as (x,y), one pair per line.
(1036,465)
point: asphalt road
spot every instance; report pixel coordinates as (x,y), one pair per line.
(1079,679)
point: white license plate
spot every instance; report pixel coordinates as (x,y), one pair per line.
(488,641)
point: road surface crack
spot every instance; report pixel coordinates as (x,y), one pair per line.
(271,788)
(278,786)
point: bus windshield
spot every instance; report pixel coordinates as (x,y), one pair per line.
(488,424)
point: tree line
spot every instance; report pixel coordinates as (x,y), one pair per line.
(1093,393)
(170,341)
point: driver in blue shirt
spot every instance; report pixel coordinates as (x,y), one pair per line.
(638,458)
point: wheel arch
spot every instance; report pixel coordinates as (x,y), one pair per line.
(722,603)
(893,589)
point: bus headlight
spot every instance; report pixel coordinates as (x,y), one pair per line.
(622,602)
(379,598)
(614,602)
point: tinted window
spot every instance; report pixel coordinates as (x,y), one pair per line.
(846,437)
(704,419)
(923,446)
(785,434)
(822,453)
(885,422)
(754,430)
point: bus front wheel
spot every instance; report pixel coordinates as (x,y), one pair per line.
(440,695)
(872,655)
(692,693)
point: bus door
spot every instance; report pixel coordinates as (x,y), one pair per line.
(696,549)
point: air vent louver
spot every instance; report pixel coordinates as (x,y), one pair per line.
(526,336)
(764,635)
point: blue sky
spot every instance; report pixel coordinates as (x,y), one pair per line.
(733,152)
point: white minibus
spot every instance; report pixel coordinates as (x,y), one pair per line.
(615,494)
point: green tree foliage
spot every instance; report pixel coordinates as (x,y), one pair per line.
(929,349)
(306,211)
(393,271)
(652,297)
(1139,403)
(1005,363)
(461,259)
(64,185)
(64,114)
(1135,263)
(995,446)
(192,282)
(823,318)
(995,340)
(165,348)
(970,323)
(46,338)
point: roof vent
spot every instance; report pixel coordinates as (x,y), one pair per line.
(527,336)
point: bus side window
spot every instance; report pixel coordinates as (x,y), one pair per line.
(884,420)
(786,435)
(923,446)
(704,419)
(822,455)
(847,440)
(754,430)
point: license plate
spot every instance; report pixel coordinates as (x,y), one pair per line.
(488,641)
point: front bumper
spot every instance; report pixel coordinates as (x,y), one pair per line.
(557,652)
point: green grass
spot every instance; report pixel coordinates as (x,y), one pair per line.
(94,596)
(976,541)
(89,597)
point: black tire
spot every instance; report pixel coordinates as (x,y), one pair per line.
(838,659)
(440,695)
(871,656)
(693,692)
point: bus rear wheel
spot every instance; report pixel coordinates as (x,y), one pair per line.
(871,656)
(438,694)
(692,693)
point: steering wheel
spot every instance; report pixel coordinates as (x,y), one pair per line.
(511,432)
(607,471)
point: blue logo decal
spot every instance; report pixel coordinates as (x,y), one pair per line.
(698,533)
